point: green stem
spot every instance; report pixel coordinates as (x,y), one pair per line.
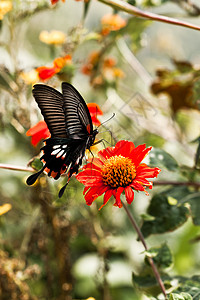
(131,9)
(141,237)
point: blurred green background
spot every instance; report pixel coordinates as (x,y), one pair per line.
(60,248)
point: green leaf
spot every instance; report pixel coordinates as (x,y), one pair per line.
(167,217)
(197,155)
(188,286)
(181,296)
(196,91)
(147,217)
(160,158)
(161,256)
(177,192)
(136,35)
(147,283)
(36,164)
(86,8)
(195,208)
(147,3)
(183,288)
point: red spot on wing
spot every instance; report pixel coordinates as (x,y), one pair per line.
(63,169)
(88,128)
(47,170)
(54,174)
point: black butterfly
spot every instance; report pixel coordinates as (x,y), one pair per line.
(70,124)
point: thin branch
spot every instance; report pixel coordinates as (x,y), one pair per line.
(180,183)
(16,168)
(124,6)
(133,61)
(141,237)
(158,182)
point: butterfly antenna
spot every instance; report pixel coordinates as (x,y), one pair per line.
(107,120)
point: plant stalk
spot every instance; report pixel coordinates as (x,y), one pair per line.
(141,237)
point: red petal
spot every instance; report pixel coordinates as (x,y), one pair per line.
(117,197)
(41,125)
(107,196)
(95,121)
(96,164)
(145,171)
(46,73)
(129,193)
(139,153)
(35,139)
(89,177)
(124,148)
(143,181)
(106,153)
(137,186)
(86,189)
(38,132)
(94,109)
(94,193)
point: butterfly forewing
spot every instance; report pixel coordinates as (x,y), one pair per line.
(78,119)
(50,102)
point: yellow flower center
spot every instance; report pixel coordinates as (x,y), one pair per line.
(118,171)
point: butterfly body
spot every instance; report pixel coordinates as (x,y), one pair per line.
(70,125)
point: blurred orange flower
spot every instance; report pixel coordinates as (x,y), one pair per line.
(112,23)
(92,61)
(101,70)
(109,62)
(110,72)
(30,77)
(5,7)
(38,132)
(53,37)
(58,63)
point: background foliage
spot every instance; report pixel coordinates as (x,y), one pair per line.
(145,72)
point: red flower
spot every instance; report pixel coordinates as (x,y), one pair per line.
(118,169)
(55,1)
(46,73)
(38,132)
(94,110)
